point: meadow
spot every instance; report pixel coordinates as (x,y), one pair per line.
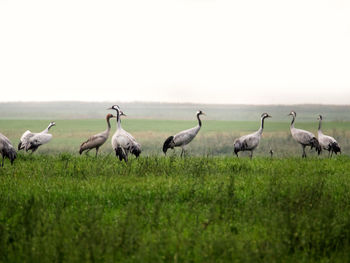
(214,139)
(69,208)
(58,206)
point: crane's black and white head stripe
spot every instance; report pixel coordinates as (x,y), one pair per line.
(265,115)
(293,113)
(199,112)
(320,117)
(114,107)
(52,123)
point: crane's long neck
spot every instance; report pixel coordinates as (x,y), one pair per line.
(199,121)
(108,125)
(47,129)
(261,125)
(119,126)
(319,125)
(292,123)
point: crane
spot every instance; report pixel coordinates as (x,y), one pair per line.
(123,142)
(183,138)
(6,149)
(97,140)
(251,141)
(328,143)
(305,138)
(32,141)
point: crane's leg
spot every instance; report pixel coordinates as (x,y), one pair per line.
(2,164)
(182,152)
(304,153)
(251,154)
(331,153)
(96,151)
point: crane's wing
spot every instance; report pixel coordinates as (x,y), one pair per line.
(326,141)
(186,136)
(302,136)
(40,139)
(250,141)
(5,139)
(93,142)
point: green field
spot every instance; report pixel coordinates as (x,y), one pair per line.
(68,208)
(57,206)
(215,137)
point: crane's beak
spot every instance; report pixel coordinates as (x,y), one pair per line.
(204,114)
(269,116)
(110,109)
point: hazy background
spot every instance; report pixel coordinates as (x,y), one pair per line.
(246,52)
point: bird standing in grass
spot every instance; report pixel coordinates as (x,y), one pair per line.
(32,141)
(6,149)
(251,141)
(305,138)
(97,140)
(183,138)
(123,142)
(327,143)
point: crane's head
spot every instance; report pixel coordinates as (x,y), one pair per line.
(199,112)
(265,115)
(122,113)
(320,117)
(292,113)
(114,107)
(52,124)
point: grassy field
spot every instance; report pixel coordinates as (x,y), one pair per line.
(57,206)
(68,208)
(215,137)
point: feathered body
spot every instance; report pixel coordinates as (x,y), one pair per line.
(97,140)
(32,141)
(251,141)
(6,149)
(327,143)
(183,138)
(305,138)
(123,142)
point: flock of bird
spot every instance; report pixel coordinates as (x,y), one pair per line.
(123,143)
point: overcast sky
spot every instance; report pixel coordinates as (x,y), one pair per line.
(199,51)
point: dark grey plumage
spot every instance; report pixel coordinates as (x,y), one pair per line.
(6,149)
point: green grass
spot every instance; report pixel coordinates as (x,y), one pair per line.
(215,137)
(68,208)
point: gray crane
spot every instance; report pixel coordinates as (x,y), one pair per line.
(183,138)
(32,141)
(251,141)
(97,140)
(6,149)
(123,142)
(305,138)
(327,143)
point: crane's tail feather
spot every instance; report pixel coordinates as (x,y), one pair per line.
(169,143)
(120,153)
(11,154)
(335,147)
(314,143)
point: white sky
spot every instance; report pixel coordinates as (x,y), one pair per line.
(246,51)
